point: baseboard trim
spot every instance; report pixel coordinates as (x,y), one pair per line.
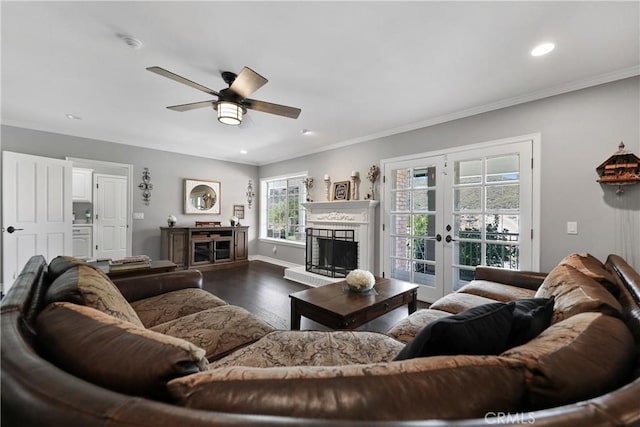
(275,261)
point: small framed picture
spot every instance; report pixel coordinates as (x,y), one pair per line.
(341,190)
(238,211)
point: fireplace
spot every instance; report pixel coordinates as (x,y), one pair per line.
(355,218)
(332,253)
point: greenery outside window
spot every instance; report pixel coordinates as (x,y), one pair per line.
(282,215)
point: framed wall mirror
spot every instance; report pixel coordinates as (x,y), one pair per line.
(201,197)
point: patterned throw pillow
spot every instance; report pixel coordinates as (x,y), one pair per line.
(85,285)
(113,353)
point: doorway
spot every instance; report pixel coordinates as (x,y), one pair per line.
(447,212)
(111,208)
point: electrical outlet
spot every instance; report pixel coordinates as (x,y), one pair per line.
(138,215)
(572,227)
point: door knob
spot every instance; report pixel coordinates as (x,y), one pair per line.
(11,229)
(448,239)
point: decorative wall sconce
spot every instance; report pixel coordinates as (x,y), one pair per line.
(250,194)
(308,184)
(623,168)
(146,186)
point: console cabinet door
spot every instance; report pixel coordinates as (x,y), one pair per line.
(176,246)
(241,243)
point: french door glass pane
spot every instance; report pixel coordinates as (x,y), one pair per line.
(424,274)
(468,172)
(502,227)
(467,199)
(503,197)
(461,277)
(424,177)
(469,253)
(401,224)
(400,246)
(401,201)
(503,256)
(424,224)
(467,225)
(504,168)
(400,269)
(399,179)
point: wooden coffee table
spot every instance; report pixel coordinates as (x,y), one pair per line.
(338,308)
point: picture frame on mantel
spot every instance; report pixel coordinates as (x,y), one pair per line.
(341,190)
(201,197)
(238,211)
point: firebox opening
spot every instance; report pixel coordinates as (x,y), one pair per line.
(332,253)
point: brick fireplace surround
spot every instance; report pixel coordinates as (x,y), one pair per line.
(357,215)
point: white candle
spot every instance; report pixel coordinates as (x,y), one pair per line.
(354,173)
(326,177)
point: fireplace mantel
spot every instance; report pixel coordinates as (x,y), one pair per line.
(342,204)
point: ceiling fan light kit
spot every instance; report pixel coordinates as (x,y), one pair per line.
(229,113)
(232,102)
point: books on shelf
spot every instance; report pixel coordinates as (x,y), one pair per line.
(129,263)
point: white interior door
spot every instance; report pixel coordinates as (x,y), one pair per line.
(111,219)
(36,210)
(447,213)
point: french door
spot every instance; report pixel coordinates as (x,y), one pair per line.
(445,214)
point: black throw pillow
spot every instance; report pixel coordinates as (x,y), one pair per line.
(479,330)
(530,317)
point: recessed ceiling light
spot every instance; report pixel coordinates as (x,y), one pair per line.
(542,49)
(243,151)
(72,117)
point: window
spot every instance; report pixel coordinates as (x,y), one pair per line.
(282,215)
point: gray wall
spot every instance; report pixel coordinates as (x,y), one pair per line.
(579,130)
(167,173)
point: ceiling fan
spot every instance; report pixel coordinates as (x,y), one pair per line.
(233,101)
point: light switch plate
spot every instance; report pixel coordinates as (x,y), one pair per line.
(138,215)
(572,227)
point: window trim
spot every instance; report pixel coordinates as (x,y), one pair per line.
(263,209)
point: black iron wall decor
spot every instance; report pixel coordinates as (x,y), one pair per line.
(146,186)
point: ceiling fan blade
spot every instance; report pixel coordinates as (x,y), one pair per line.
(268,107)
(180,79)
(247,82)
(191,106)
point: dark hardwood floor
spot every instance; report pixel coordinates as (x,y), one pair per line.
(261,288)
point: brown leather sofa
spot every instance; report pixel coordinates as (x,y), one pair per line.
(251,390)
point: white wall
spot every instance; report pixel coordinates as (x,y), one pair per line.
(579,130)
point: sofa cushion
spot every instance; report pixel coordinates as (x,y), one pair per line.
(575,293)
(497,291)
(591,266)
(218,330)
(446,387)
(578,358)
(480,330)
(172,305)
(314,348)
(114,353)
(405,330)
(85,285)
(531,316)
(458,302)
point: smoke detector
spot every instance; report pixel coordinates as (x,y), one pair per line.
(131,41)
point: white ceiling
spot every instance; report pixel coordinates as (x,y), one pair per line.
(357,70)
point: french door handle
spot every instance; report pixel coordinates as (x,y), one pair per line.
(11,229)
(448,239)
(438,238)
